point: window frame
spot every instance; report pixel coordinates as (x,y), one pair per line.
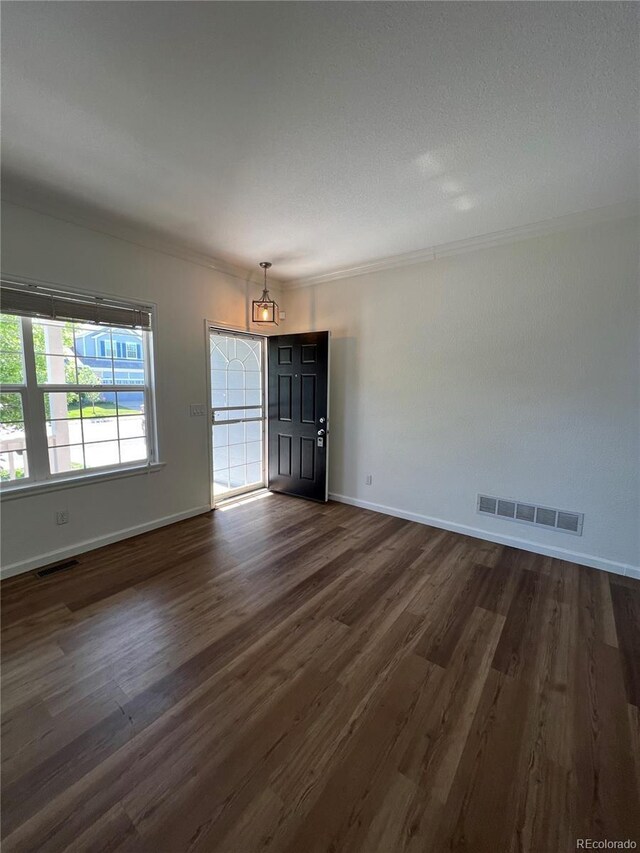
(40,477)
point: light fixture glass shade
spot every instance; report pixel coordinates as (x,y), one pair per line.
(265,309)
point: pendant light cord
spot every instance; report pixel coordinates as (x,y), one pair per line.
(265,291)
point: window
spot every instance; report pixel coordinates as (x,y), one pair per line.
(66,408)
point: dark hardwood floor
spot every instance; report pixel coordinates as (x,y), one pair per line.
(286,676)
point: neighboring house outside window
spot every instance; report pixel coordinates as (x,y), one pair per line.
(127,366)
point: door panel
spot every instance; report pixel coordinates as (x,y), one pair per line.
(298,410)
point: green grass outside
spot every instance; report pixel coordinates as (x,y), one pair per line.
(102,410)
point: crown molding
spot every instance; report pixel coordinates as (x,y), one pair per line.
(137,236)
(471,244)
(147,239)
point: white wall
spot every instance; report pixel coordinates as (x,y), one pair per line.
(45,248)
(512,371)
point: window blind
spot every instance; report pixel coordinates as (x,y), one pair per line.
(38,301)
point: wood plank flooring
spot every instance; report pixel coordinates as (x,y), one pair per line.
(292,677)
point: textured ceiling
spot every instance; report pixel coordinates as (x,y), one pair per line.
(321,135)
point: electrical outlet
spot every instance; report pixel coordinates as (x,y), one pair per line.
(283,315)
(196,410)
(62,517)
(368,480)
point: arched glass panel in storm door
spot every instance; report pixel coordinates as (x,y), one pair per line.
(238,413)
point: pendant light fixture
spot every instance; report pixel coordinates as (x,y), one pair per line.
(265,309)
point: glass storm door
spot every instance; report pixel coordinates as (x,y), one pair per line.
(237,413)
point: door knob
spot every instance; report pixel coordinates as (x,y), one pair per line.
(320,432)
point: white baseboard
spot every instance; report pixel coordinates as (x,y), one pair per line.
(625,569)
(513,541)
(98,542)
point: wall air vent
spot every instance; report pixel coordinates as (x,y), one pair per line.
(546,516)
(487,504)
(569,521)
(525,513)
(507,509)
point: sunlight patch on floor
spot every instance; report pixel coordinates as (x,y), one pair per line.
(232,503)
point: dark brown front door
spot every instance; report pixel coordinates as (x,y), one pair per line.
(298,409)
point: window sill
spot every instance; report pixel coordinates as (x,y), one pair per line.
(8,493)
